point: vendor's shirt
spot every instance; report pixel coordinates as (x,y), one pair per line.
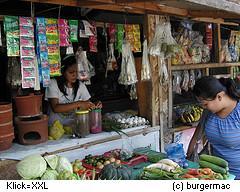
(53,92)
(224,135)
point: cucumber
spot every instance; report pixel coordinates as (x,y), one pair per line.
(214,167)
(215,160)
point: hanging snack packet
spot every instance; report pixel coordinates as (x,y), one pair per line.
(111,32)
(73,24)
(63,30)
(93,39)
(11,28)
(119,37)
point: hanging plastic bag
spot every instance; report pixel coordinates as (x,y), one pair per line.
(85,69)
(185,81)
(177,78)
(133,92)
(111,62)
(163,72)
(145,71)
(191,79)
(128,75)
(155,45)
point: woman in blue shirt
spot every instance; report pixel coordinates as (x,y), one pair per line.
(222,126)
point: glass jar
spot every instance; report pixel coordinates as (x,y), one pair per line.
(82,123)
(96,121)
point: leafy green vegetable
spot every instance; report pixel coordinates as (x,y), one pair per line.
(50,174)
(31,167)
(64,165)
(52,161)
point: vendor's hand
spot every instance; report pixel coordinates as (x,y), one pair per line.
(98,105)
(86,105)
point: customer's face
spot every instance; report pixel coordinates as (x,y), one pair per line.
(71,74)
(213,105)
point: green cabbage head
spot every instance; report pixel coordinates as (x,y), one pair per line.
(50,174)
(31,167)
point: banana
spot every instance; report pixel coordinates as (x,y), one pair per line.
(183,119)
(191,117)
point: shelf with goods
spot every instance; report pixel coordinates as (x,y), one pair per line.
(215,69)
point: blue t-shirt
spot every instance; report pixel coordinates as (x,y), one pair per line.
(224,136)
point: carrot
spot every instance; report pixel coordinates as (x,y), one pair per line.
(193,171)
(187,176)
(206,171)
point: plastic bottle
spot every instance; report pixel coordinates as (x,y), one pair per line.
(96,121)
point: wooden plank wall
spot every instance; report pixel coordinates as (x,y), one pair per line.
(160,94)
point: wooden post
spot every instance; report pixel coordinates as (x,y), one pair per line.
(219,40)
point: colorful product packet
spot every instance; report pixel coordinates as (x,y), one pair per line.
(73,24)
(93,39)
(42,52)
(53,46)
(27,52)
(11,28)
(63,30)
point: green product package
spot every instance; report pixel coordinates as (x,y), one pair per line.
(119,37)
(73,30)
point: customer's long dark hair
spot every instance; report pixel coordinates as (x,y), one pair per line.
(208,87)
(67,62)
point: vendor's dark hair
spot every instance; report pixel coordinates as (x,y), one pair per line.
(67,62)
(208,87)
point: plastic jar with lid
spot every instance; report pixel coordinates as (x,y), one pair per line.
(82,123)
(95,121)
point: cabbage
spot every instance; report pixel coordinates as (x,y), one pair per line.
(31,167)
(64,165)
(50,174)
(67,175)
(52,160)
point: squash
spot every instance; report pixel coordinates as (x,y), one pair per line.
(115,171)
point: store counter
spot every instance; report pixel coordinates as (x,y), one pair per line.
(94,144)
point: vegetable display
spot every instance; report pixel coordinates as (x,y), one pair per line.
(115,171)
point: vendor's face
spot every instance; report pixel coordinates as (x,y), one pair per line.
(213,105)
(71,74)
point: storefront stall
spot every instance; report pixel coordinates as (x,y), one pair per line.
(139,58)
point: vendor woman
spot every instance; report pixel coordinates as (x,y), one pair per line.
(222,125)
(66,93)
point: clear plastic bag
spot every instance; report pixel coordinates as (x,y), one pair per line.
(191,79)
(163,72)
(111,62)
(162,38)
(128,75)
(146,70)
(85,69)
(177,79)
(185,81)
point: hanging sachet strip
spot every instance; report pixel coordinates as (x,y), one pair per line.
(42,51)
(27,52)
(53,46)
(63,29)
(11,29)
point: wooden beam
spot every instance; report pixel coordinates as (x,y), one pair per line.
(213,14)
(202,66)
(72,3)
(219,4)
(212,20)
